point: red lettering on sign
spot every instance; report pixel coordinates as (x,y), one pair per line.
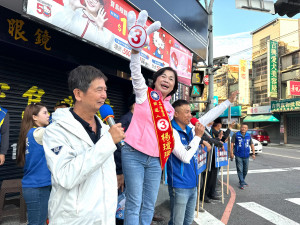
(61,2)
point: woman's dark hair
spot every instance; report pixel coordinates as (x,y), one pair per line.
(160,72)
(26,124)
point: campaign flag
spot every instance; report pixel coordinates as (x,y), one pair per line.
(201,159)
(221,156)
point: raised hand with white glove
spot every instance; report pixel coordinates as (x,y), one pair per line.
(138,37)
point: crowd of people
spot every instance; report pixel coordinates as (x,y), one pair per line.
(74,167)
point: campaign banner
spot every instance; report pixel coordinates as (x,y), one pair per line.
(221,156)
(201,159)
(186,20)
(104,24)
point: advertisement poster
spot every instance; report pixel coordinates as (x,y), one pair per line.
(201,159)
(221,156)
(104,23)
(186,20)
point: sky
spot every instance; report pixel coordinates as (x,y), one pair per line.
(232,28)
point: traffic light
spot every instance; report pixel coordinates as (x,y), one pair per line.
(288,7)
(197,82)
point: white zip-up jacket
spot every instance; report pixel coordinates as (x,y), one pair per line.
(84,182)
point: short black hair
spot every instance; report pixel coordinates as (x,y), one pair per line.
(244,124)
(179,103)
(82,76)
(160,72)
(217,121)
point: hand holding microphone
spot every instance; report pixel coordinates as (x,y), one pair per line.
(117,133)
(199,128)
(116,130)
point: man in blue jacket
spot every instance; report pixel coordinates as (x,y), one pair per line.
(182,163)
(240,147)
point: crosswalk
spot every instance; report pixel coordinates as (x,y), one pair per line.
(265,213)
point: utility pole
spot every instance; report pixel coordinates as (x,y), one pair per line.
(210,55)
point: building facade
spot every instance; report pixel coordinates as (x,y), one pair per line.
(280,37)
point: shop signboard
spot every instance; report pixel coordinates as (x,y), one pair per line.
(236,111)
(259,110)
(272,68)
(293,88)
(106,27)
(244,95)
(216,100)
(286,105)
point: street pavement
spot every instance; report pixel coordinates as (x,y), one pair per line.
(272,197)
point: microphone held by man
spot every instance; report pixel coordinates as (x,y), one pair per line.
(194,121)
(116,130)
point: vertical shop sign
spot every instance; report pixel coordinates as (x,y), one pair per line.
(272,68)
(244,96)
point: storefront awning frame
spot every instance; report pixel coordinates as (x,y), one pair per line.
(260,118)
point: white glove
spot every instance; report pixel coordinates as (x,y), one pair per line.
(138,37)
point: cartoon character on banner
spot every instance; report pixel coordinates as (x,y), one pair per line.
(85,20)
(159,43)
(47,11)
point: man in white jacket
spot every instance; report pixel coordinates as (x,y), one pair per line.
(79,151)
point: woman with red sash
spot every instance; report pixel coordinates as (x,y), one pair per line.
(149,139)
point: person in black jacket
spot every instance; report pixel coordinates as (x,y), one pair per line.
(212,174)
(218,135)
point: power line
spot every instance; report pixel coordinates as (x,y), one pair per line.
(256,46)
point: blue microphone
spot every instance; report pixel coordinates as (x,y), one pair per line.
(107,115)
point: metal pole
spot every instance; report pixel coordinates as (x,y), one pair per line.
(210,56)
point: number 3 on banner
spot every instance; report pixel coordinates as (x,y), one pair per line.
(162,124)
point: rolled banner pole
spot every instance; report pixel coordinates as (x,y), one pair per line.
(228,148)
(228,156)
(222,185)
(228,177)
(204,187)
(198,196)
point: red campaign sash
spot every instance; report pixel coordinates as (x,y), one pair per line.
(162,125)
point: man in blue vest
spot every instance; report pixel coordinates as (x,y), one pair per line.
(4,134)
(182,163)
(240,148)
